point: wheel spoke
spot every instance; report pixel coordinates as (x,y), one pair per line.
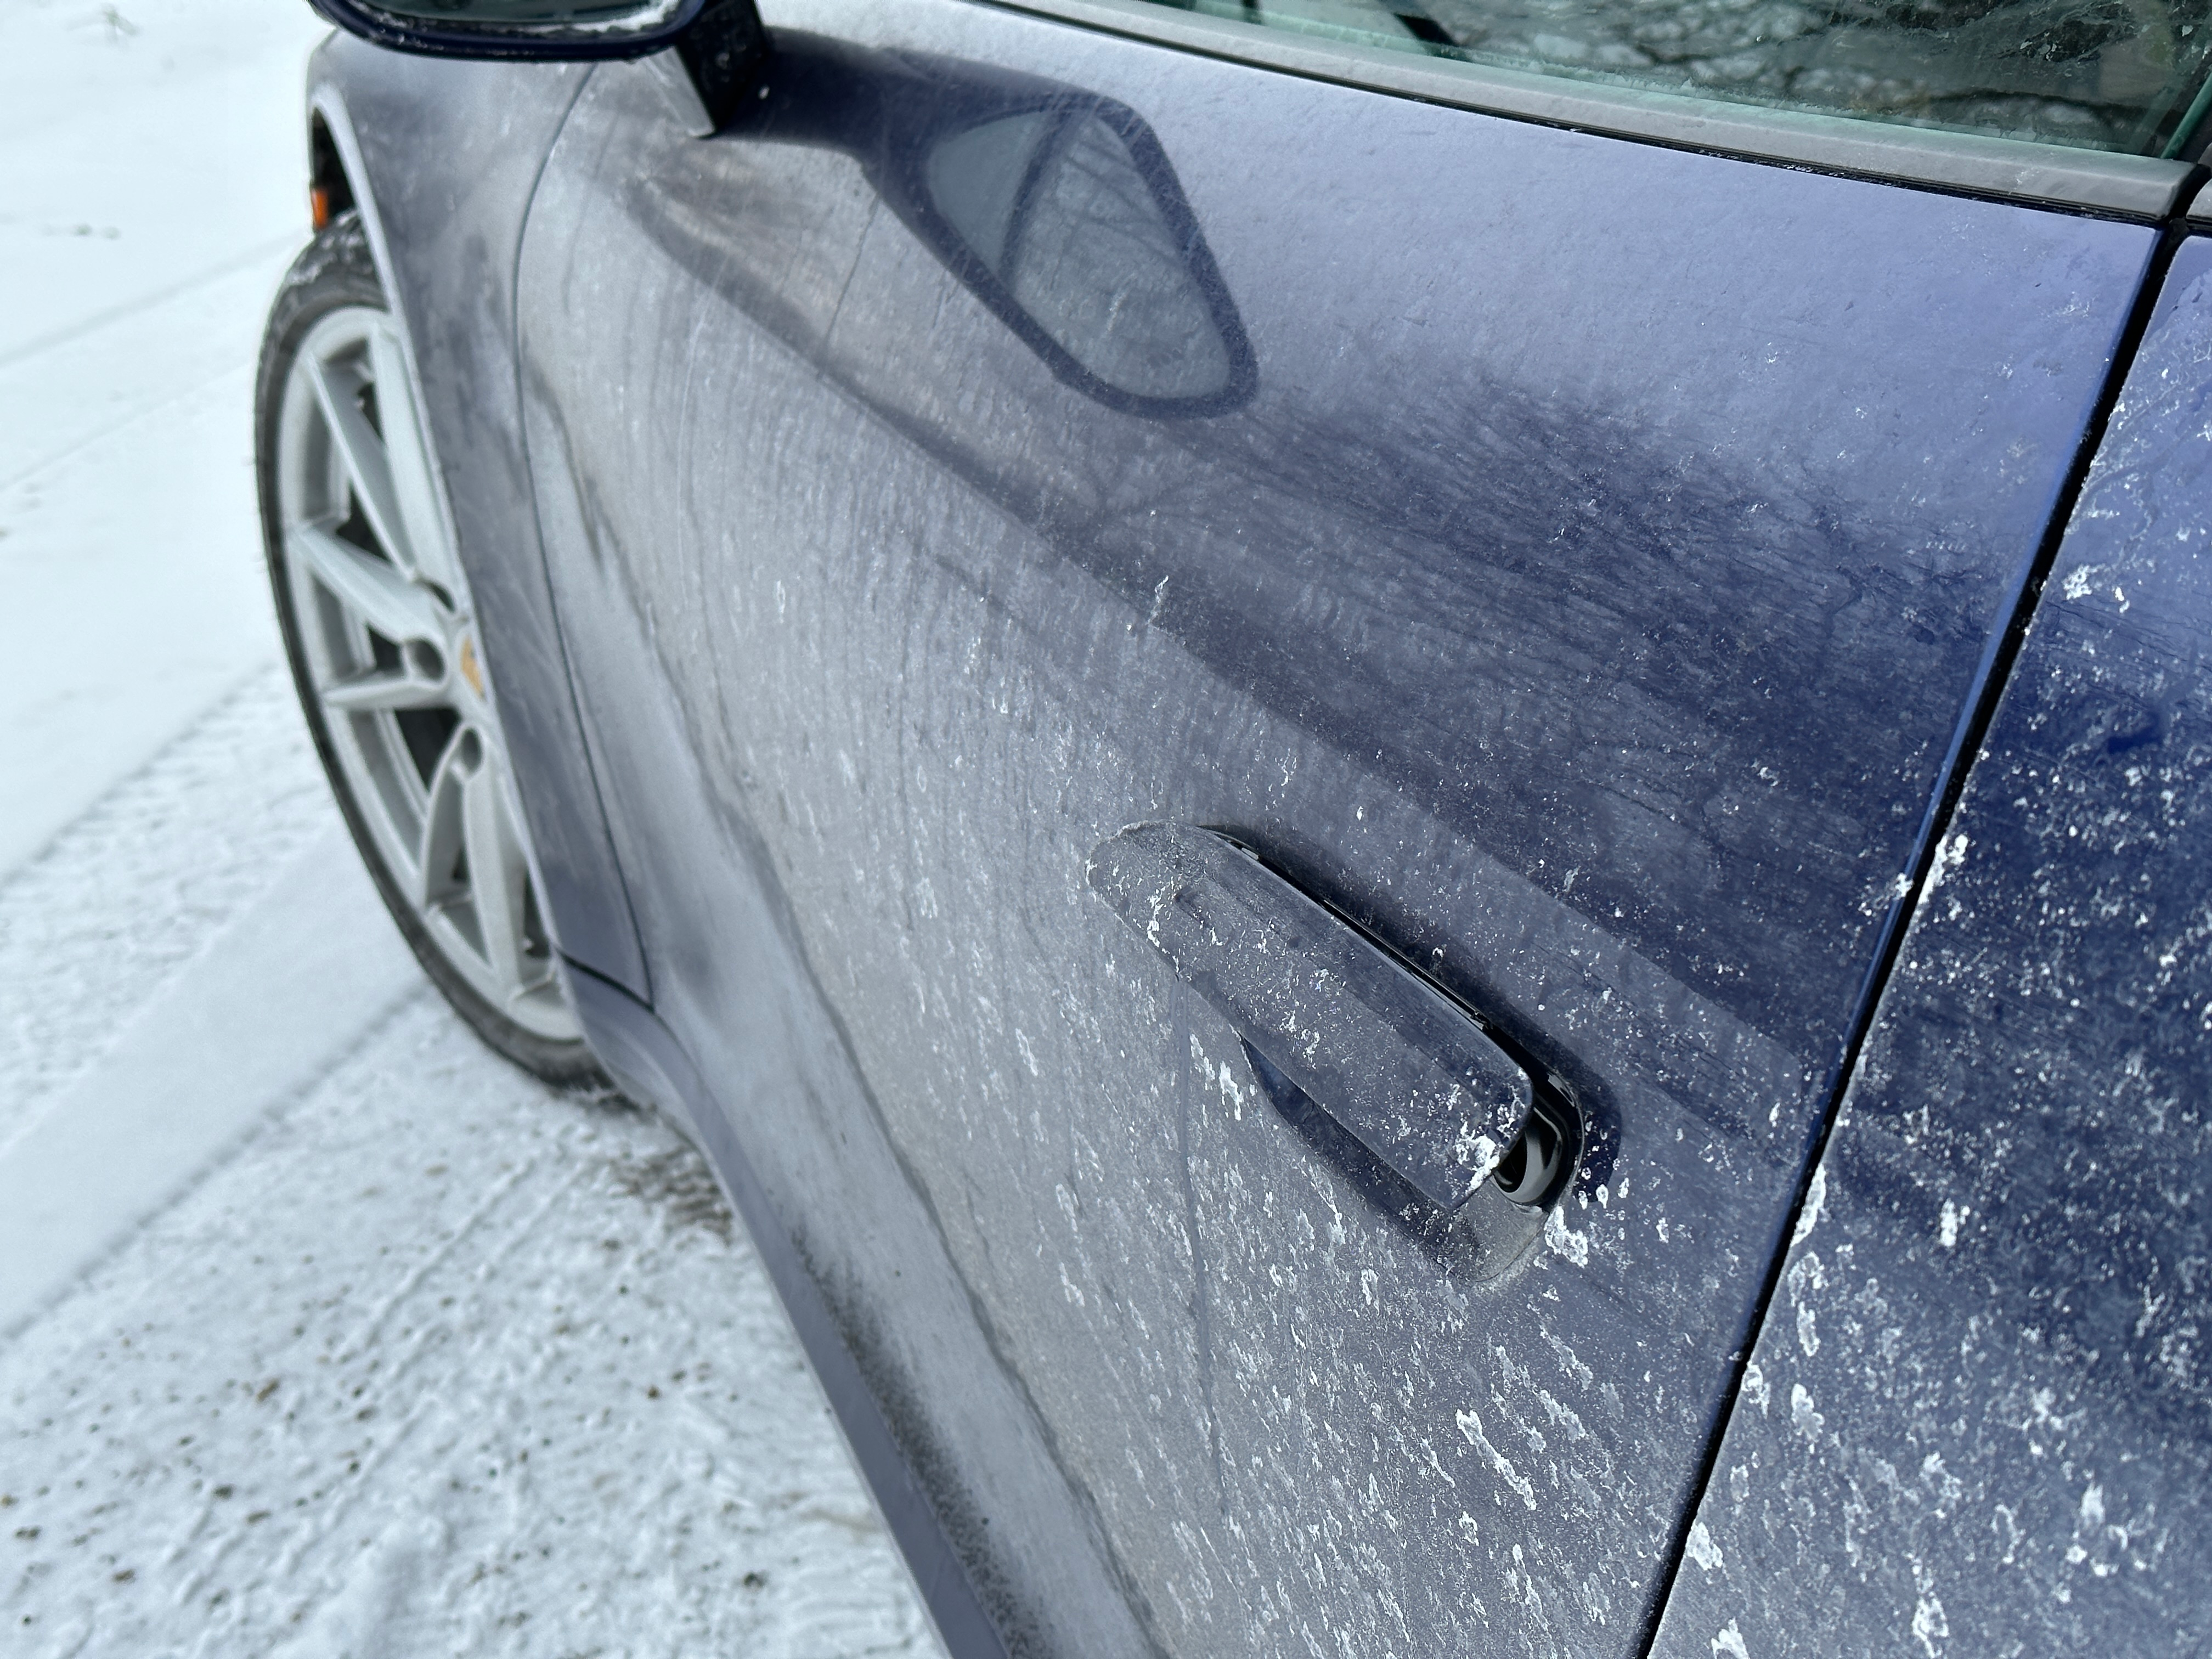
(366,462)
(370,588)
(362,693)
(407,464)
(379,607)
(445,825)
(497,878)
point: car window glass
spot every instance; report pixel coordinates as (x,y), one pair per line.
(2110,74)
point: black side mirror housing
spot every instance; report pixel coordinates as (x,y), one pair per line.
(721,42)
(568,30)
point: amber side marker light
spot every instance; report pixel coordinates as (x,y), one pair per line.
(319,207)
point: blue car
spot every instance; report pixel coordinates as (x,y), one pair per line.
(1416,793)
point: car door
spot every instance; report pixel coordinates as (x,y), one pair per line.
(1567,559)
(1978,1415)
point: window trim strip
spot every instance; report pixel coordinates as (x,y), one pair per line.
(2129,186)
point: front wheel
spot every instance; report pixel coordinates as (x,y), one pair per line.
(384,651)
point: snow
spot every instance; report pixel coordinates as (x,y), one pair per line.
(322,1330)
(155,156)
(436,1364)
(195,1066)
(163,883)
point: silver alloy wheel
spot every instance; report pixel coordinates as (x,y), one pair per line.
(391,653)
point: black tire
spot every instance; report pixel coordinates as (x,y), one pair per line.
(337,271)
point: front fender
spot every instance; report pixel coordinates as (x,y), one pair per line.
(441,158)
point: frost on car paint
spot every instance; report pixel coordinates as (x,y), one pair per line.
(1994,1347)
(1529,608)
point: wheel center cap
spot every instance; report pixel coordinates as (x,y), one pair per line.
(471,670)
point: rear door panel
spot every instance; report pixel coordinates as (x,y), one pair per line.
(1581,593)
(1977,1418)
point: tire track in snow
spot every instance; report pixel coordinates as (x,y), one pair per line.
(431,1359)
(261,253)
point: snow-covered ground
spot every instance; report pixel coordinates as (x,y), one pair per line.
(151,154)
(322,1330)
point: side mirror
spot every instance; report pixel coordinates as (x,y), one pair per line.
(720,42)
(568,29)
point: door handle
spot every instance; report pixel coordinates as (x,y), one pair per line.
(1397,1064)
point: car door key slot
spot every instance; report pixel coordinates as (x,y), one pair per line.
(1396,1063)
